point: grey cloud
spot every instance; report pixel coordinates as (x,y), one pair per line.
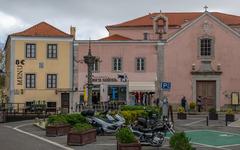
(91,16)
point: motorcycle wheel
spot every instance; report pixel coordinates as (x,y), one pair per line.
(157,140)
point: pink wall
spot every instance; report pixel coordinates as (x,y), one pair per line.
(137,34)
(182,52)
(128,52)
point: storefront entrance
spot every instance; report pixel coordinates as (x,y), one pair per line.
(96,94)
(207,90)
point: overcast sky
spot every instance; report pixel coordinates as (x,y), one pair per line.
(91,16)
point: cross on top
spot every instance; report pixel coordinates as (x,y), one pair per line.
(205,7)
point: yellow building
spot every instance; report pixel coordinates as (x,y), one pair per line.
(39,66)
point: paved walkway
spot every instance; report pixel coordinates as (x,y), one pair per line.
(30,137)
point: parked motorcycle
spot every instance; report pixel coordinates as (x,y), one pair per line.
(148,136)
(108,125)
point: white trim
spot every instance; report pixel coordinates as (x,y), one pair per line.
(185,28)
(223,24)
(199,18)
(194,122)
(40,138)
(236,134)
(65,39)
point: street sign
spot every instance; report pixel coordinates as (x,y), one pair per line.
(166,86)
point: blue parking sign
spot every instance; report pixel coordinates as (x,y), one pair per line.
(166,86)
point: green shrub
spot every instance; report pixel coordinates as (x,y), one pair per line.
(212,110)
(81,127)
(131,113)
(73,119)
(181,109)
(229,111)
(61,119)
(125,135)
(192,105)
(131,116)
(179,141)
(57,120)
(131,108)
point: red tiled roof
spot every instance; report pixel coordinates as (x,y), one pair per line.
(115,37)
(42,29)
(177,19)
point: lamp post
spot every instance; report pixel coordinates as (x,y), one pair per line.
(89,60)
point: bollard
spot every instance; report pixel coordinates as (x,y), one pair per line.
(207,120)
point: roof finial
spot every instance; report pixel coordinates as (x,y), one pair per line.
(206,8)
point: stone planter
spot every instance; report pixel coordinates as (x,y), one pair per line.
(83,138)
(213,116)
(57,130)
(129,146)
(182,116)
(230,117)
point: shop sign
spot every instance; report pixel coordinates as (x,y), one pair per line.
(19,66)
(104,79)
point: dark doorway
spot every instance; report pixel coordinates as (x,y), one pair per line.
(65,102)
(207,90)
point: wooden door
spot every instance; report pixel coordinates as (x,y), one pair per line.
(65,102)
(207,90)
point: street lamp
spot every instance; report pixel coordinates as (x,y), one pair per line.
(89,60)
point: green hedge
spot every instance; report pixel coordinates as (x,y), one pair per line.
(81,127)
(71,119)
(131,113)
(131,116)
(179,141)
(124,135)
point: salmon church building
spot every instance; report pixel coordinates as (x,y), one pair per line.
(199,56)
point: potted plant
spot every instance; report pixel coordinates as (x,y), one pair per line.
(126,140)
(212,114)
(181,113)
(192,106)
(179,141)
(81,134)
(229,115)
(57,125)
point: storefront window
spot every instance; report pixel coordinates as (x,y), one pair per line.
(117,92)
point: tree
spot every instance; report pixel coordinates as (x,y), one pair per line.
(2,64)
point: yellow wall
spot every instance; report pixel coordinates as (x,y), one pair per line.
(59,66)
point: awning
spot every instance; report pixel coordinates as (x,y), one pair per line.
(142,86)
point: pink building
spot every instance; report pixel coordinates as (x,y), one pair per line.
(200,58)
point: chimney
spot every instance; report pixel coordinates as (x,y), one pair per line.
(73,31)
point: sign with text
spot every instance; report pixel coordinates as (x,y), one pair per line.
(104,79)
(19,66)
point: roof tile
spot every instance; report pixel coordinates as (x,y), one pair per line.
(42,29)
(177,19)
(115,37)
